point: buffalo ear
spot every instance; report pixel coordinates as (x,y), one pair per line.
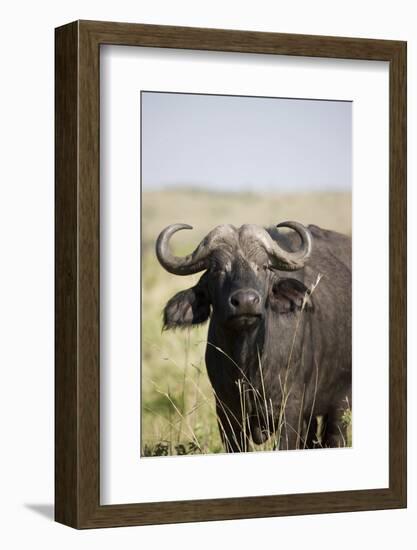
(288,295)
(186,308)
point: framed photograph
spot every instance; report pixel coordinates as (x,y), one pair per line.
(230,274)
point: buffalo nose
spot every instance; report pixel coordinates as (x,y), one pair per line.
(245,301)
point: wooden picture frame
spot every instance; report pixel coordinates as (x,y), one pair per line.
(77,371)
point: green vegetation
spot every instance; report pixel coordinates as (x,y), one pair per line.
(178,414)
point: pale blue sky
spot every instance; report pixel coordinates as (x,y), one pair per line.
(245,143)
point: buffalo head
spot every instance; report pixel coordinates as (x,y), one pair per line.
(241,281)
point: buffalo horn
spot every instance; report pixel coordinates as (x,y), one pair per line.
(197,260)
(291,261)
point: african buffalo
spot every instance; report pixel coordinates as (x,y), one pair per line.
(279,345)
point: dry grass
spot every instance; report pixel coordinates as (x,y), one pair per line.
(178,414)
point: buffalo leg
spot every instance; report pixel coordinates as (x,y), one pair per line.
(313,433)
(335,432)
(291,433)
(234,438)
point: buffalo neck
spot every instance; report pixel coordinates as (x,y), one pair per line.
(242,348)
(270,344)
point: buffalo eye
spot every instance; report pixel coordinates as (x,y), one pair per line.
(216,274)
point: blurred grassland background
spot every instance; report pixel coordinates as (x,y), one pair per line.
(178,415)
